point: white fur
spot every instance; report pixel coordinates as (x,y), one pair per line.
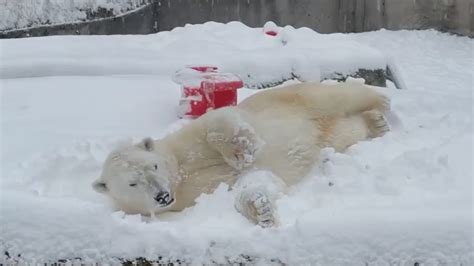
(280,131)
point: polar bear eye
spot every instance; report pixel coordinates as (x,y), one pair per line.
(133,184)
(156,167)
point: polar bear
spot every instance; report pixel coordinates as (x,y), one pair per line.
(280,130)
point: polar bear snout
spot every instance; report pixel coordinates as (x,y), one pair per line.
(164,198)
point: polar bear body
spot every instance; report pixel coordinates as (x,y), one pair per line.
(292,136)
(280,130)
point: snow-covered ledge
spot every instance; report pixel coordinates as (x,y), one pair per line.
(260,60)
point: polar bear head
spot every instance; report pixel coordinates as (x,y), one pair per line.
(139,179)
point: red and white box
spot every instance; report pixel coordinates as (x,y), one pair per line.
(203,88)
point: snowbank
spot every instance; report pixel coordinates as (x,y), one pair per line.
(255,57)
(19,14)
(395,200)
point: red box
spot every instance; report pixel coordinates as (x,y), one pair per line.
(203,89)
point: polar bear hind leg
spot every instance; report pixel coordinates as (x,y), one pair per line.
(342,99)
(342,132)
(320,99)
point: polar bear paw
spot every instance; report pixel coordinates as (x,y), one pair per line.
(376,122)
(257,207)
(238,143)
(244,146)
(264,210)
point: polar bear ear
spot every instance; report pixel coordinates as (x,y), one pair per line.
(100,186)
(147,144)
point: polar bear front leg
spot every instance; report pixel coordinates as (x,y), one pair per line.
(256,205)
(231,136)
(256,194)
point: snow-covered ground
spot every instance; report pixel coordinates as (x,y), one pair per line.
(399,199)
(17,14)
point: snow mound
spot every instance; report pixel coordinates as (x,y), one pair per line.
(257,58)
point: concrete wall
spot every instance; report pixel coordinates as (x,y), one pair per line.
(324,16)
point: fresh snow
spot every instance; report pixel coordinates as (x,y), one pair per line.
(399,199)
(17,14)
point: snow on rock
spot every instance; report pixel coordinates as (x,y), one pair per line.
(395,200)
(257,58)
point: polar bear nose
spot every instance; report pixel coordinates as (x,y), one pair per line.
(163,198)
